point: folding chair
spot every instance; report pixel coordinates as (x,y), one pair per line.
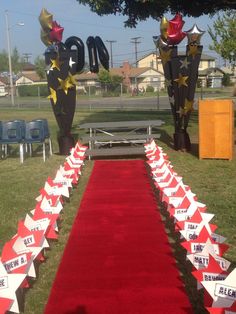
(34,133)
(12,133)
(46,132)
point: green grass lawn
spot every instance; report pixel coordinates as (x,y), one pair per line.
(213,181)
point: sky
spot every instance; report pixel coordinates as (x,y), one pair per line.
(79,21)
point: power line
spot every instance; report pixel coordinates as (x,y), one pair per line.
(111,42)
(136,42)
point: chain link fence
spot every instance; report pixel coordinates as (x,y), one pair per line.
(116,97)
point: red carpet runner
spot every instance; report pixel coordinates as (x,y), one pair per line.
(118,260)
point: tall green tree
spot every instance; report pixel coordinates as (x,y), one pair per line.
(223,34)
(17,61)
(40,67)
(138,10)
(3,61)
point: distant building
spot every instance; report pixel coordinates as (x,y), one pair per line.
(3,86)
(140,78)
(153,60)
(209,74)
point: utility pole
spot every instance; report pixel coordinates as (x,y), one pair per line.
(111,42)
(136,42)
(9,59)
(27,56)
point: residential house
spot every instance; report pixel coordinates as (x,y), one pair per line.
(133,78)
(209,74)
(3,86)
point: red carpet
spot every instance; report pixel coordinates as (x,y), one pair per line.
(118,259)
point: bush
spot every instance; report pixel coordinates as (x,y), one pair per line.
(33,90)
(149,89)
(226,80)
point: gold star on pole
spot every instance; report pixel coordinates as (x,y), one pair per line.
(56,64)
(165,55)
(53,95)
(188,107)
(181,80)
(193,51)
(66,84)
(72,79)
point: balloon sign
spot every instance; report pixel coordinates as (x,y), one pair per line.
(171,31)
(180,72)
(51,34)
(63,61)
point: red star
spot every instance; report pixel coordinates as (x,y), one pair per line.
(56,32)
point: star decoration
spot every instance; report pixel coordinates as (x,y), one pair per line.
(53,95)
(159,42)
(165,55)
(184,63)
(163,27)
(193,51)
(66,84)
(72,79)
(212,272)
(45,19)
(44,35)
(188,107)
(56,32)
(194,35)
(181,80)
(5,305)
(71,62)
(172,99)
(10,283)
(56,63)
(168,83)
(201,260)
(223,292)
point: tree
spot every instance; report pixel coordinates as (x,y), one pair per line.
(223,36)
(17,61)
(40,67)
(3,61)
(138,10)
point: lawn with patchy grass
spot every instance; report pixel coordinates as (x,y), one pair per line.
(213,181)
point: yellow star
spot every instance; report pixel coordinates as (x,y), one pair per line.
(188,107)
(193,50)
(165,55)
(53,95)
(56,64)
(66,84)
(72,79)
(181,80)
(45,19)
(164,26)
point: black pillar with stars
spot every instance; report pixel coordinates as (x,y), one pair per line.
(61,67)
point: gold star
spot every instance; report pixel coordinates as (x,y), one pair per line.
(53,95)
(164,26)
(165,55)
(188,107)
(193,51)
(181,80)
(72,79)
(66,84)
(56,64)
(45,19)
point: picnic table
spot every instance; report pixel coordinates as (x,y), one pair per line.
(106,134)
